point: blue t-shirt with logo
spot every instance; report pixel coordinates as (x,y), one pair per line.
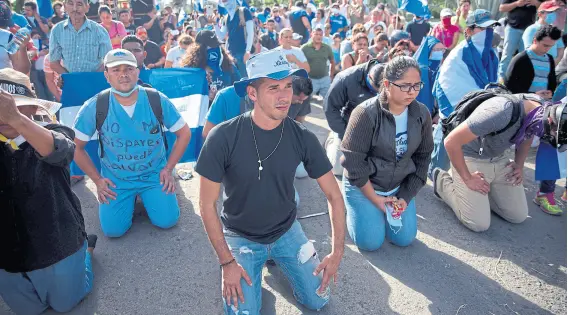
(401,137)
(134,152)
(237,42)
(223,79)
(337,22)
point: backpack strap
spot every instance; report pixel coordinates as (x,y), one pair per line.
(156,105)
(242,21)
(102,104)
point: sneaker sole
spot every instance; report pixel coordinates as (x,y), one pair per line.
(546,211)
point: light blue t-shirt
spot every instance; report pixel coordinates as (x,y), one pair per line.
(225,106)
(19,20)
(337,22)
(528,37)
(401,137)
(134,152)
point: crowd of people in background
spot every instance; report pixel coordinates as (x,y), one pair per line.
(460,102)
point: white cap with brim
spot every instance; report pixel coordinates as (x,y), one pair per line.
(272,65)
(117,57)
(44,107)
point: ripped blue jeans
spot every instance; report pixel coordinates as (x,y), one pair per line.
(296,257)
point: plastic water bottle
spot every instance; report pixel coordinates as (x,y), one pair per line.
(14,45)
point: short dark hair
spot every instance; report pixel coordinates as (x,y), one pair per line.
(56,3)
(300,4)
(270,20)
(30,4)
(104,8)
(302,85)
(464,1)
(548,31)
(121,12)
(131,39)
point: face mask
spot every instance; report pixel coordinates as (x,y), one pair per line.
(231,6)
(335,11)
(418,20)
(394,224)
(447,22)
(123,94)
(214,59)
(437,55)
(479,40)
(550,18)
(277,19)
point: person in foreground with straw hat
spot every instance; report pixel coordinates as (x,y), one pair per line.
(46,254)
(255,156)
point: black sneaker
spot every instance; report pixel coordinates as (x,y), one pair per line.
(435,174)
(92,241)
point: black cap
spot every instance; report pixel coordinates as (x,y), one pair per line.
(207,38)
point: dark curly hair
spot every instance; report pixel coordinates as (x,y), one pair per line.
(196,57)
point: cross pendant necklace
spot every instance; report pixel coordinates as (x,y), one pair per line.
(260,168)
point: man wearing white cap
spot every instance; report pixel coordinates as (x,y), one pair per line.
(46,254)
(255,156)
(131,121)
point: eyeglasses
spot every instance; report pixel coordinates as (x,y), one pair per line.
(407,87)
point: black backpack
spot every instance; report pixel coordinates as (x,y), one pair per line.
(472,100)
(102,112)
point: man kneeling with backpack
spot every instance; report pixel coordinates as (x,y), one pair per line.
(131,121)
(486,174)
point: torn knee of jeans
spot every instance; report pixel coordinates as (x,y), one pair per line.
(237,312)
(307,251)
(245,250)
(325,294)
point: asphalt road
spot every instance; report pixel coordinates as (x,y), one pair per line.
(510,269)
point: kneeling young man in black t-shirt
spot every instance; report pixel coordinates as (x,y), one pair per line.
(255,155)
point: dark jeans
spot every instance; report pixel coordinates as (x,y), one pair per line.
(40,86)
(547,186)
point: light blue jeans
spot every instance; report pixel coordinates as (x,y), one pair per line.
(321,86)
(513,42)
(116,217)
(439,155)
(367,225)
(293,253)
(60,286)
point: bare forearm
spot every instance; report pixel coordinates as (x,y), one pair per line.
(523,151)
(85,163)
(38,137)
(304,65)
(455,153)
(337,218)
(160,62)
(507,7)
(21,62)
(214,232)
(182,140)
(57,67)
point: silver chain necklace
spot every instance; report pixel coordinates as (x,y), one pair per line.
(260,168)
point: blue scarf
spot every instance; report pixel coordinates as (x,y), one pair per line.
(428,71)
(482,67)
(215,59)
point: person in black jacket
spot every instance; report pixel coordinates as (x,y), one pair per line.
(532,71)
(269,40)
(45,258)
(349,88)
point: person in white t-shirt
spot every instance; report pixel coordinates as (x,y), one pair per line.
(174,56)
(294,55)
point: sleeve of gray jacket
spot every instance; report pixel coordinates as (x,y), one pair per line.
(415,181)
(355,147)
(63,147)
(335,99)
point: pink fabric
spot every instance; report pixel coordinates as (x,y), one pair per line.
(445,35)
(117,28)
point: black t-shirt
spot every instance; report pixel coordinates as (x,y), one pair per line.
(417,31)
(130,29)
(520,17)
(154,32)
(153,53)
(259,210)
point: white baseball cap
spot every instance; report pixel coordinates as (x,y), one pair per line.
(272,65)
(117,57)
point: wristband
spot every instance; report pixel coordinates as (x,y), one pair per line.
(227,263)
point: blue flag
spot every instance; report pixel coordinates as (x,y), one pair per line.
(187,88)
(416,7)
